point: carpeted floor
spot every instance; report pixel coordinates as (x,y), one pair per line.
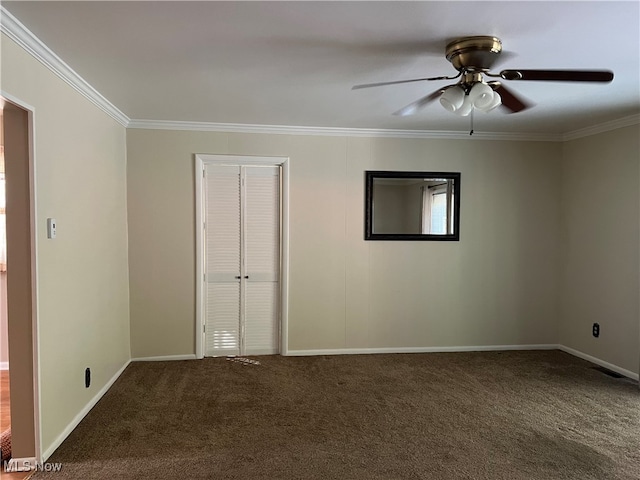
(497,415)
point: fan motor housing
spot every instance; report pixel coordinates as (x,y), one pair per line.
(475,54)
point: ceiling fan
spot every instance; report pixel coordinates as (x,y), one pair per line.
(473,58)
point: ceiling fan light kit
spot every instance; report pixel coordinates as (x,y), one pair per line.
(466,108)
(495,103)
(452,99)
(481,95)
(473,58)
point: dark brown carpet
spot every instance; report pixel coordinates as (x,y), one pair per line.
(509,415)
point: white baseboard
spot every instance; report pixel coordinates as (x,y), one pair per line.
(597,361)
(20,464)
(479,348)
(4,365)
(165,358)
(83,413)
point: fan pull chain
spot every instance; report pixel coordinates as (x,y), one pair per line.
(471,120)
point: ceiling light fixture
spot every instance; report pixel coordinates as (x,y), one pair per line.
(462,98)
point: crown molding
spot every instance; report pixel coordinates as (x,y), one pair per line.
(16,31)
(338,132)
(603,127)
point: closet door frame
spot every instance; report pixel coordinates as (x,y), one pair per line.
(241,160)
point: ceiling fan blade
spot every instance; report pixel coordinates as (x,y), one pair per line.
(380,84)
(511,101)
(604,76)
(421,103)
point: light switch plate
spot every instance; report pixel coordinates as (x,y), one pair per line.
(51,227)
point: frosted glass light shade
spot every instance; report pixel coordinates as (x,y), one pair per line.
(452,99)
(466,107)
(481,95)
(497,100)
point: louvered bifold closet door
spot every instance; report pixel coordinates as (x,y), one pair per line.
(262,260)
(222,260)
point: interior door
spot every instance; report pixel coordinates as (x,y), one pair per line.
(242,260)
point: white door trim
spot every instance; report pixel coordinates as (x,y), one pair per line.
(236,160)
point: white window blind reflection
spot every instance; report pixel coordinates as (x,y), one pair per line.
(439,213)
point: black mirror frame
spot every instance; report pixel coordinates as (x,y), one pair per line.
(370,175)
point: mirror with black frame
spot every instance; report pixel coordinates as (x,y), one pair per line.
(412,205)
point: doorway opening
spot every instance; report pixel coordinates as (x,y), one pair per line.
(19,422)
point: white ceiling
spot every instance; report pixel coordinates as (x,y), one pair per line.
(294,63)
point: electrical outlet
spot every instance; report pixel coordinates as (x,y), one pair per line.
(596,330)
(87,378)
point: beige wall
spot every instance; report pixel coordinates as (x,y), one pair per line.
(80,158)
(496,286)
(600,243)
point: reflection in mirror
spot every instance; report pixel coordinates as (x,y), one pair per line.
(412,205)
